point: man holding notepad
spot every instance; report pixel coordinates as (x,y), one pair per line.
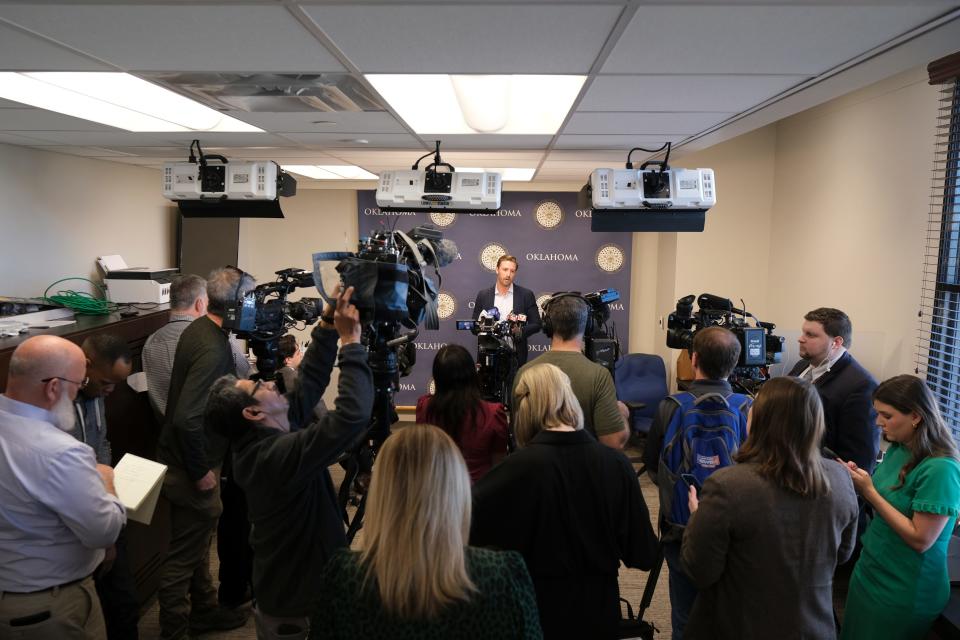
(58,507)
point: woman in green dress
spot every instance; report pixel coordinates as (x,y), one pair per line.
(900,584)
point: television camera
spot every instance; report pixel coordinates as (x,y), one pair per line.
(600,341)
(759,346)
(496,351)
(264,314)
(394,296)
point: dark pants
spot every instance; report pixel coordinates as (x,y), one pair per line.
(682,591)
(186,568)
(233,546)
(118,595)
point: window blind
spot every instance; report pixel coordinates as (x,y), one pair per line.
(938,343)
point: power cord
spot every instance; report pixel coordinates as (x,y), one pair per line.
(81,302)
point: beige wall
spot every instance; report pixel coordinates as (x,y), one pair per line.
(60,212)
(850,200)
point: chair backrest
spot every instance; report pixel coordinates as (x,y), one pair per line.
(641,377)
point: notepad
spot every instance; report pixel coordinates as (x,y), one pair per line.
(138,482)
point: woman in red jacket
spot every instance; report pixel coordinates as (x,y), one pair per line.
(478,427)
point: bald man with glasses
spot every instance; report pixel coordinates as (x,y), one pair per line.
(58,507)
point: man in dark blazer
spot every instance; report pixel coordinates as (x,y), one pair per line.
(520,300)
(845,387)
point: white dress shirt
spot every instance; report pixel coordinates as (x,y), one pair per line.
(812,372)
(503,302)
(56,518)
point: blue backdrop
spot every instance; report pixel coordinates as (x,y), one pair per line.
(550,237)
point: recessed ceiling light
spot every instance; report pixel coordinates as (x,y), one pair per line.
(458,104)
(324,122)
(507,174)
(115,99)
(356,140)
(330,172)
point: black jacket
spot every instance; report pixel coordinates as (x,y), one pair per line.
(573,509)
(292,504)
(523,302)
(203,355)
(847,394)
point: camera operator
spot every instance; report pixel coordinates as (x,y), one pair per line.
(510,298)
(592,383)
(281,463)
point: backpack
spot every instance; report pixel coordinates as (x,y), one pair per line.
(702,436)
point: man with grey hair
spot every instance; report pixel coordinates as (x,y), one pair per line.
(564,321)
(188,301)
(194,456)
(59,507)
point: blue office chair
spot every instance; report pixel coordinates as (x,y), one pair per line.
(641,378)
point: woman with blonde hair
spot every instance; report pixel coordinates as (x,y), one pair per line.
(767,533)
(415,577)
(570,505)
(900,584)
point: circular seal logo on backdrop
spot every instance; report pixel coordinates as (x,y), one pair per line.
(549,215)
(442,218)
(432,387)
(446,305)
(490,254)
(610,258)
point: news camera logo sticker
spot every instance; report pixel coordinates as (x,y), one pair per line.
(490,254)
(442,219)
(446,305)
(541,300)
(610,258)
(548,214)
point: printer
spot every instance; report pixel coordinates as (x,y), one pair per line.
(135,284)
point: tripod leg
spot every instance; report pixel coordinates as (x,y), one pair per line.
(357,521)
(651,586)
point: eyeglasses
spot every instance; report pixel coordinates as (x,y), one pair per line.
(256,387)
(80,385)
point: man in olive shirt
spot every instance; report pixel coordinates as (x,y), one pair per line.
(565,316)
(193,456)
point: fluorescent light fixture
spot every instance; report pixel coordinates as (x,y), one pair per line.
(116,99)
(330,172)
(445,104)
(507,174)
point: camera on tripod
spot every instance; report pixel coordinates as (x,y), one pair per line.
(759,346)
(496,350)
(600,343)
(264,314)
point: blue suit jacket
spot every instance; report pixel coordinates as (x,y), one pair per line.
(523,302)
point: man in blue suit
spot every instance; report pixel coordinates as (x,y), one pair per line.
(510,298)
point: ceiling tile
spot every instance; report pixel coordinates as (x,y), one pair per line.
(464,38)
(642,122)
(20,51)
(337,140)
(94,138)
(342,121)
(29,119)
(804,40)
(683,93)
(226,37)
(505,141)
(573,141)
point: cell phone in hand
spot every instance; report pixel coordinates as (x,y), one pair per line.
(691,481)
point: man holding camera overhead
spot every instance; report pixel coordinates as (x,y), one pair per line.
(510,298)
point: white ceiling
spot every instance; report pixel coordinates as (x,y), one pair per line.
(693,73)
